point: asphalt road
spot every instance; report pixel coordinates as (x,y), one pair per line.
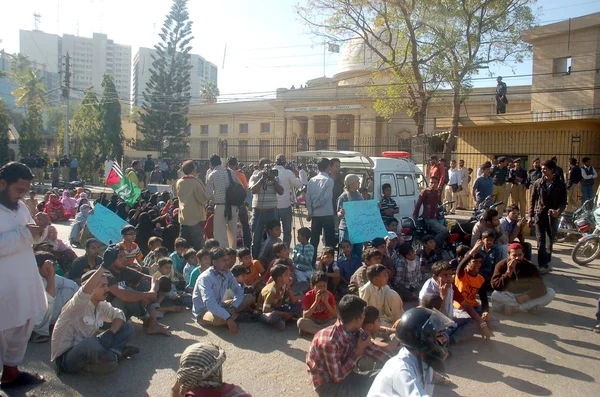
(551,353)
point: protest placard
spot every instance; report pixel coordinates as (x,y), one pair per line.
(364,221)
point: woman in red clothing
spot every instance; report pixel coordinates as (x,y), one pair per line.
(55,209)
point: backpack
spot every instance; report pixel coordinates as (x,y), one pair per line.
(235,195)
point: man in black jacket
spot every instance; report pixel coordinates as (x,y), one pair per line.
(148,168)
(548,201)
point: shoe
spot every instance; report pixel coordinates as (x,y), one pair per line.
(545,270)
(128,351)
(510,310)
(596,328)
(280,325)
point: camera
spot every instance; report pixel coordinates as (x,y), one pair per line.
(269,171)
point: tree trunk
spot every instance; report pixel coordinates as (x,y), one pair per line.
(450,144)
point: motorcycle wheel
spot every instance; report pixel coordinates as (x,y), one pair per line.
(586,251)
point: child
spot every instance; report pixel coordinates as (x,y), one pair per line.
(372,325)
(329,266)
(378,293)
(254,269)
(204,259)
(431,301)
(380,245)
(191,261)
(469,282)
(133,254)
(348,263)
(364,192)
(55,175)
(387,205)
(168,299)
(303,255)
(153,243)
(408,279)
(461,251)
(370,257)
(391,224)
(282,256)
(32,203)
(427,254)
(318,306)
(232,256)
(276,301)
(266,254)
(239,273)
(211,243)
(160,252)
(181,245)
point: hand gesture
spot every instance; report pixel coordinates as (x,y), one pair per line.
(522,222)
(445,290)
(50,271)
(512,265)
(324,297)
(36,231)
(486,333)
(478,245)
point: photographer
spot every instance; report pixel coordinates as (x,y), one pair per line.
(288,179)
(264,184)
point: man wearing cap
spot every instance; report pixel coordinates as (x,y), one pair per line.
(517,176)
(288,179)
(518,285)
(501,100)
(148,168)
(75,347)
(233,165)
(499,176)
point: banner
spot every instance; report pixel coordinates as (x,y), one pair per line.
(363,220)
(122,186)
(105,225)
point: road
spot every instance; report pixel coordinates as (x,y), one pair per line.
(551,353)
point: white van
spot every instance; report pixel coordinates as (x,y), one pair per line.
(395,168)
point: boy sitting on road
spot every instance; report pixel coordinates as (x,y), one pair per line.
(204,259)
(318,306)
(328,265)
(348,263)
(303,255)
(372,325)
(181,245)
(133,254)
(254,268)
(408,279)
(378,293)
(469,282)
(168,297)
(266,254)
(276,302)
(153,243)
(159,253)
(381,245)
(191,262)
(428,254)
(371,256)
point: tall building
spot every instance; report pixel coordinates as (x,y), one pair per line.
(90,59)
(6,84)
(201,72)
(44,51)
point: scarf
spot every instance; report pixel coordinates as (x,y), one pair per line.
(201,366)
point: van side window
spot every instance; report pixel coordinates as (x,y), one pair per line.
(388,178)
(406,186)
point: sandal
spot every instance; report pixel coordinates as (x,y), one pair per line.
(24,379)
(442,380)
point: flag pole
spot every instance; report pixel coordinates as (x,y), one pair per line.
(324,52)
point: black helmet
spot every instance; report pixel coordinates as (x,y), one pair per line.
(418,328)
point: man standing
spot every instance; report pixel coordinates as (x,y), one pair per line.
(171,175)
(499,176)
(289,181)
(265,188)
(22,293)
(548,201)
(40,167)
(338,183)
(225,224)
(454,185)
(148,168)
(518,177)
(303,175)
(483,186)
(319,192)
(232,164)
(558,171)
(534,173)
(463,194)
(163,167)
(74,169)
(135,174)
(573,178)
(501,100)
(588,173)
(192,201)
(436,170)
(64,168)
(156,176)
(430,198)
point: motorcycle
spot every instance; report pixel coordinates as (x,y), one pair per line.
(587,248)
(413,230)
(460,233)
(578,223)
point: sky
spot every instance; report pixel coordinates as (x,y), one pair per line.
(268,47)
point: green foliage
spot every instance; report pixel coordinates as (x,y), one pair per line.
(167,94)
(30,136)
(111,133)
(4,122)
(84,133)
(209,92)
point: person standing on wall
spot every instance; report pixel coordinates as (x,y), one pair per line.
(501,100)
(289,180)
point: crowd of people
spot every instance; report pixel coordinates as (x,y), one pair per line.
(221,246)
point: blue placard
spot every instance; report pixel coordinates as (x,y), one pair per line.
(105,225)
(363,220)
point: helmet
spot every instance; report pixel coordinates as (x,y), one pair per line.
(418,329)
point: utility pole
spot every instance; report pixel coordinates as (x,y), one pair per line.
(65,94)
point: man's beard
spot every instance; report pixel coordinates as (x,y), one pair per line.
(5,201)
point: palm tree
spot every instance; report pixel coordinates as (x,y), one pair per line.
(209,92)
(31,87)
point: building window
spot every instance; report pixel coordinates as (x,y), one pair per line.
(265,127)
(223,128)
(343,144)
(243,153)
(562,66)
(322,144)
(204,129)
(265,148)
(204,149)
(243,128)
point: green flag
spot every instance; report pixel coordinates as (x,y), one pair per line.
(122,186)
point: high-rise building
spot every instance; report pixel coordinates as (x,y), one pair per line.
(6,84)
(201,72)
(90,59)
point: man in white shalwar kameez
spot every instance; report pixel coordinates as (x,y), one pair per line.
(22,294)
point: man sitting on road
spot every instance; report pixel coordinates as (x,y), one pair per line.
(512,227)
(209,291)
(519,285)
(74,346)
(91,260)
(335,351)
(490,220)
(430,198)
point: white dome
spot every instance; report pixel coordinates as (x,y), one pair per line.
(357,58)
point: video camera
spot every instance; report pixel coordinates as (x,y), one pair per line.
(269,171)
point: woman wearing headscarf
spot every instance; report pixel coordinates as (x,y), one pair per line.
(69,204)
(122,210)
(145,230)
(200,373)
(54,208)
(63,252)
(80,221)
(351,185)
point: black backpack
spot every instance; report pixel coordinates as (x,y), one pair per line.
(235,195)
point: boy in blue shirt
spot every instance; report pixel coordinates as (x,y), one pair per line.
(348,264)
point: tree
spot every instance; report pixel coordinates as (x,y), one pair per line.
(84,133)
(167,94)
(209,92)
(111,132)
(4,122)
